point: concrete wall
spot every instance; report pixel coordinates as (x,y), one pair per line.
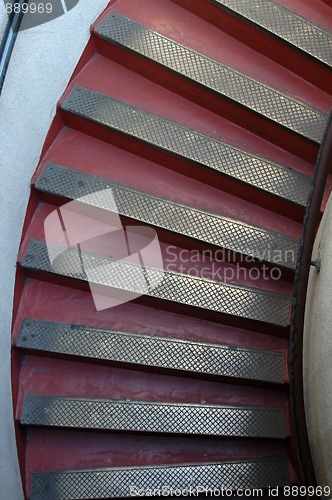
(3,19)
(317,354)
(42,63)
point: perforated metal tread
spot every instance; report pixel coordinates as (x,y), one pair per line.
(117,482)
(276,106)
(189,144)
(148,416)
(268,246)
(148,350)
(242,301)
(285,24)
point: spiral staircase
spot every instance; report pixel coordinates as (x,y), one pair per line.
(204,120)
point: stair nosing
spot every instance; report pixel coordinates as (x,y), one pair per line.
(245,473)
(160,417)
(187,356)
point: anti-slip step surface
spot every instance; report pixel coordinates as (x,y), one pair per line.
(233,235)
(280,108)
(152,351)
(188,144)
(284,24)
(235,300)
(148,416)
(115,482)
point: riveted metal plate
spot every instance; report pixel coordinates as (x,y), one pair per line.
(147,416)
(188,144)
(123,482)
(242,301)
(147,350)
(276,106)
(224,232)
(285,24)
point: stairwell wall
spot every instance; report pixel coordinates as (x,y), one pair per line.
(41,65)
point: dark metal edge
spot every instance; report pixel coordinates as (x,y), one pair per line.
(310,226)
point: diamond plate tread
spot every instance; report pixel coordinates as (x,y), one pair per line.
(211,228)
(148,350)
(148,416)
(272,104)
(285,24)
(241,301)
(117,482)
(210,153)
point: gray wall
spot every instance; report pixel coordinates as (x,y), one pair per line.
(42,63)
(317,354)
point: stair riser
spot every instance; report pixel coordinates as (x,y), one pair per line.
(99,450)
(172,239)
(76,379)
(190,169)
(38,299)
(172,307)
(241,382)
(211,100)
(93,157)
(283,53)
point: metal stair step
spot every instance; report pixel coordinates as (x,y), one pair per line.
(147,350)
(230,234)
(290,113)
(189,145)
(288,26)
(235,300)
(296,36)
(120,482)
(150,416)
